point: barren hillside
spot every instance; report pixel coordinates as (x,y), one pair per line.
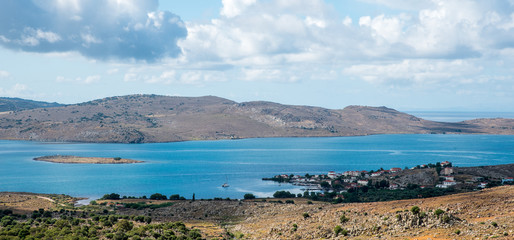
(153,118)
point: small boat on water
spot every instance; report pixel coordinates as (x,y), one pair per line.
(225,185)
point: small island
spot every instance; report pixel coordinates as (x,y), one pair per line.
(88,160)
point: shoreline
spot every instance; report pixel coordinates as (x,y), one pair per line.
(68,159)
(42,141)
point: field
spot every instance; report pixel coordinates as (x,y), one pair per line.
(483,214)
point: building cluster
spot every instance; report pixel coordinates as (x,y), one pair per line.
(344,180)
(356,179)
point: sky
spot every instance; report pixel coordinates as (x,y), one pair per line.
(441,55)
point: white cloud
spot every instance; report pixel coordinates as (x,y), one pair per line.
(4,74)
(232,8)
(414,72)
(423,42)
(16,90)
(113,71)
(98,29)
(80,80)
(51,37)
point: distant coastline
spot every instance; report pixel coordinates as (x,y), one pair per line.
(155,118)
(85,160)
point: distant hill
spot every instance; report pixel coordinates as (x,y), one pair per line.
(154,118)
(18,104)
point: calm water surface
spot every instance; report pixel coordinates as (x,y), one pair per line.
(201,167)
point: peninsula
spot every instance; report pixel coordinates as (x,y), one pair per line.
(87,160)
(154,118)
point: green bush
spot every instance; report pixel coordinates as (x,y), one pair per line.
(112,196)
(415,210)
(344,219)
(305,215)
(337,230)
(158,196)
(283,194)
(249,196)
(438,212)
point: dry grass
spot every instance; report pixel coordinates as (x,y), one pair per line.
(23,203)
(88,160)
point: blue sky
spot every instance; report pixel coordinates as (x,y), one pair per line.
(408,55)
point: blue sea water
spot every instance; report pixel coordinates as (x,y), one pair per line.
(201,167)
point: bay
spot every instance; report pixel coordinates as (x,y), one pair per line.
(201,167)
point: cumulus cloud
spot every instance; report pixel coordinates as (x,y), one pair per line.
(99,29)
(81,80)
(166,77)
(16,90)
(4,74)
(410,42)
(414,72)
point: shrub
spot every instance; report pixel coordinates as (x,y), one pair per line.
(290,201)
(249,196)
(158,196)
(112,196)
(309,202)
(344,219)
(457,231)
(494,224)
(117,158)
(337,230)
(174,197)
(415,210)
(438,212)
(446,219)
(305,215)
(283,194)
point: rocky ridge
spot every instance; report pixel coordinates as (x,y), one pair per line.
(153,118)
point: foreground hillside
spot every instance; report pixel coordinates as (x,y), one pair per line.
(483,214)
(152,118)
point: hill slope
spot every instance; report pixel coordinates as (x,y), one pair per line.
(18,104)
(153,118)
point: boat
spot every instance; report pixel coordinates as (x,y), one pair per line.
(225,185)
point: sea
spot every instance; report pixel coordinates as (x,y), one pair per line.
(201,167)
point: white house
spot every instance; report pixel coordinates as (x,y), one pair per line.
(362,182)
(449,183)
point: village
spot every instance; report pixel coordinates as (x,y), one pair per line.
(395,178)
